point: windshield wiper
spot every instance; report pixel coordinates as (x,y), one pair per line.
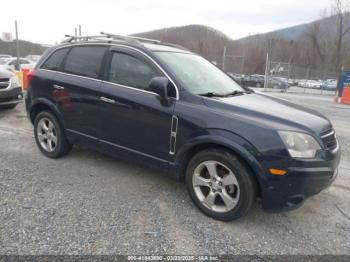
(211,94)
(235,93)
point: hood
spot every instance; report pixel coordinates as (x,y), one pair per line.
(5,73)
(271,112)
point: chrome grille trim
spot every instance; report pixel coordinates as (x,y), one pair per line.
(330,141)
(329,134)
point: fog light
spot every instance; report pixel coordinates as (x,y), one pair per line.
(277,172)
(20,96)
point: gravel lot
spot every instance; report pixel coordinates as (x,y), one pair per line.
(89,203)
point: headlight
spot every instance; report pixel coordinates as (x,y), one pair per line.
(299,145)
(14,82)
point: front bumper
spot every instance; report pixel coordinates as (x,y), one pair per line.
(11,96)
(289,191)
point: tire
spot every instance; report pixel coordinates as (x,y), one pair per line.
(258,85)
(242,192)
(48,131)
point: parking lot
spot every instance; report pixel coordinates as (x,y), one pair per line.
(89,203)
(301,90)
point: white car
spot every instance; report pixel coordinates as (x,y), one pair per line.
(5,56)
(302,83)
(33,58)
(330,84)
(10,64)
(313,84)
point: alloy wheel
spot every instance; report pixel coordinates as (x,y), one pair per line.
(216,186)
(47,134)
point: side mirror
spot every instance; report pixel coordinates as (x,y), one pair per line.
(159,85)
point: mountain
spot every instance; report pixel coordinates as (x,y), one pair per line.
(201,39)
(180,33)
(308,46)
(327,26)
(25,48)
(190,34)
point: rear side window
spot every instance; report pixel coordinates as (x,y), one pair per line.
(85,60)
(55,60)
(130,71)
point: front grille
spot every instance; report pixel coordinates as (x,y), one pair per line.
(329,140)
(4,83)
(7,99)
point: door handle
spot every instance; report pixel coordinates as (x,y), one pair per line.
(107,100)
(58,87)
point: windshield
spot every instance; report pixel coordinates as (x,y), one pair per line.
(197,75)
(3,61)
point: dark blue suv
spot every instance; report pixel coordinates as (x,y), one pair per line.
(168,108)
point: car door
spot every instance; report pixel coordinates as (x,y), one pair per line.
(132,118)
(76,89)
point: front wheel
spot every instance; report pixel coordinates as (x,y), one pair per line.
(49,135)
(220,184)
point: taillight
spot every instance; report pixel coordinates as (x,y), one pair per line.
(28,78)
(30,75)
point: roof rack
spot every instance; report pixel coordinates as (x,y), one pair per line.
(113,37)
(109,37)
(130,38)
(81,38)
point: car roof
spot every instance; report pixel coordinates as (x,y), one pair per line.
(165,48)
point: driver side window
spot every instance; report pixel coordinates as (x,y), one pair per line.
(130,71)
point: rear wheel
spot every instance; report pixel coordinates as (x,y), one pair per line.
(49,135)
(220,184)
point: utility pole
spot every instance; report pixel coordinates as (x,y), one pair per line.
(242,64)
(223,59)
(79,30)
(289,67)
(17,47)
(243,61)
(266,71)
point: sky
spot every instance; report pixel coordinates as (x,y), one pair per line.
(47,21)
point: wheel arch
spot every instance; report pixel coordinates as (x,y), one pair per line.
(234,146)
(43,104)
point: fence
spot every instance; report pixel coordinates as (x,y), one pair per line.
(299,79)
(275,70)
